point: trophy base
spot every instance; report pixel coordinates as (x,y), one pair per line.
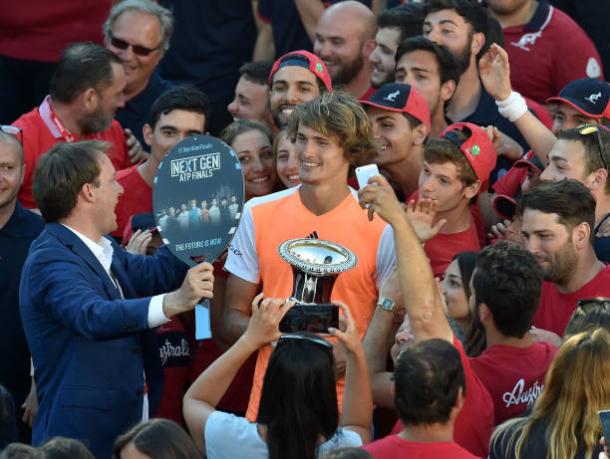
(316,318)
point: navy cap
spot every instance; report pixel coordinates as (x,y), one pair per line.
(589,96)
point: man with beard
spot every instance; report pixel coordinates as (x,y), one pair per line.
(463,27)
(557,224)
(85,92)
(344,40)
(433,71)
(295,78)
(393,26)
(546,48)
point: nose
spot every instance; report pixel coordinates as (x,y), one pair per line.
(376,130)
(408,79)
(547,174)
(293,162)
(232,107)
(427,184)
(257,164)
(374,57)
(433,35)
(292,95)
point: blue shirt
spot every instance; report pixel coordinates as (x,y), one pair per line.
(15,239)
(136,111)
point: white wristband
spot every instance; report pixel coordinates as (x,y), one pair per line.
(513,107)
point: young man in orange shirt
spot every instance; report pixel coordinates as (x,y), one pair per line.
(332,134)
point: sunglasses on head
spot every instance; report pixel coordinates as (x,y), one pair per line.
(589,129)
(312,339)
(12,130)
(591,303)
(137,49)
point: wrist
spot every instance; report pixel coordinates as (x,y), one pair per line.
(512,107)
(249,342)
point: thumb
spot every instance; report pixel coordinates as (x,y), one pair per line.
(439,225)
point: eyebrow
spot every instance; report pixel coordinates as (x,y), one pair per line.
(556,157)
(448,21)
(420,69)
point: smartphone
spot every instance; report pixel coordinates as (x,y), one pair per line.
(604,417)
(364,173)
(311,318)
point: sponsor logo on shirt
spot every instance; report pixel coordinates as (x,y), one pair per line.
(520,395)
(169,351)
(526,40)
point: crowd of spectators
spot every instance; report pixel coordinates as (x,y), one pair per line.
(476,320)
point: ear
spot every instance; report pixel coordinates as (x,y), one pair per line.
(472,190)
(447,90)
(87,192)
(90,99)
(459,400)
(368,47)
(580,235)
(420,134)
(23,167)
(597,180)
(478,41)
(484,313)
(147,134)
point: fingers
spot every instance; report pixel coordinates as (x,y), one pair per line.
(256,302)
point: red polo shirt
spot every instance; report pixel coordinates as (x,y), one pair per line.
(40,134)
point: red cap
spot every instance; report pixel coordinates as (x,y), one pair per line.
(306,60)
(402,98)
(477,148)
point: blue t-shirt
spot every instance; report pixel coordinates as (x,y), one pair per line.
(228,436)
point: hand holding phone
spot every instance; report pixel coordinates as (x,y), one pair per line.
(364,173)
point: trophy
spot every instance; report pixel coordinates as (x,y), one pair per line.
(315,264)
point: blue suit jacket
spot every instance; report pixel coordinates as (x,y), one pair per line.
(86,341)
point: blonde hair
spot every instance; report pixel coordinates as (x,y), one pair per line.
(575,389)
(337,114)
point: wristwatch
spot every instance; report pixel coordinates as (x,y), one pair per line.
(387,304)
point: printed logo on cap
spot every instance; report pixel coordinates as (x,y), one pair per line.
(392,96)
(198,198)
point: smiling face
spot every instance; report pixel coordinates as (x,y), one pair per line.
(291,86)
(567,160)
(382,56)
(251,101)
(287,161)
(140,29)
(322,159)
(12,171)
(253,150)
(393,133)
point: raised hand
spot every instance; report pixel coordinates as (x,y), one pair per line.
(138,243)
(349,337)
(197,285)
(494,71)
(267,314)
(421,216)
(378,196)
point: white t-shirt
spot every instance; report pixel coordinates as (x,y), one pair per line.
(228,436)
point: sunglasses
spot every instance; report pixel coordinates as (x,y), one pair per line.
(12,130)
(312,339)
(589,129)
(592,303)
(137,49)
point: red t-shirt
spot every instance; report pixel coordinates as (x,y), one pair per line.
(39,30)
(548,53)
(556,308)
(474,424)
(443,247)
(136,197)
(393,446)
(513,376)
(40,134)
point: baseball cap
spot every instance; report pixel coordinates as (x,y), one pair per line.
(402,98)
(531,161)
(589,96)
(306,60)
(477,148)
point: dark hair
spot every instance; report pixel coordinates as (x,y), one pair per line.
(241,126)
(508,280)
(407,18)
(448,66)
(65,448)
(257,72)
(597,316)
(494,33)
(428,377)
(158,439)
(590,143)
(20,451)
(61,173)
(473,13)
(298,399)
(187,98)
(569,199)
(82,66)
(441,150)
(466,264)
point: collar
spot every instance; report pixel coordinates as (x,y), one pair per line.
(45,111)
(102,249)
(541,17)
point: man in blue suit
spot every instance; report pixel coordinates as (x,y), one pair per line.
(87,305)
